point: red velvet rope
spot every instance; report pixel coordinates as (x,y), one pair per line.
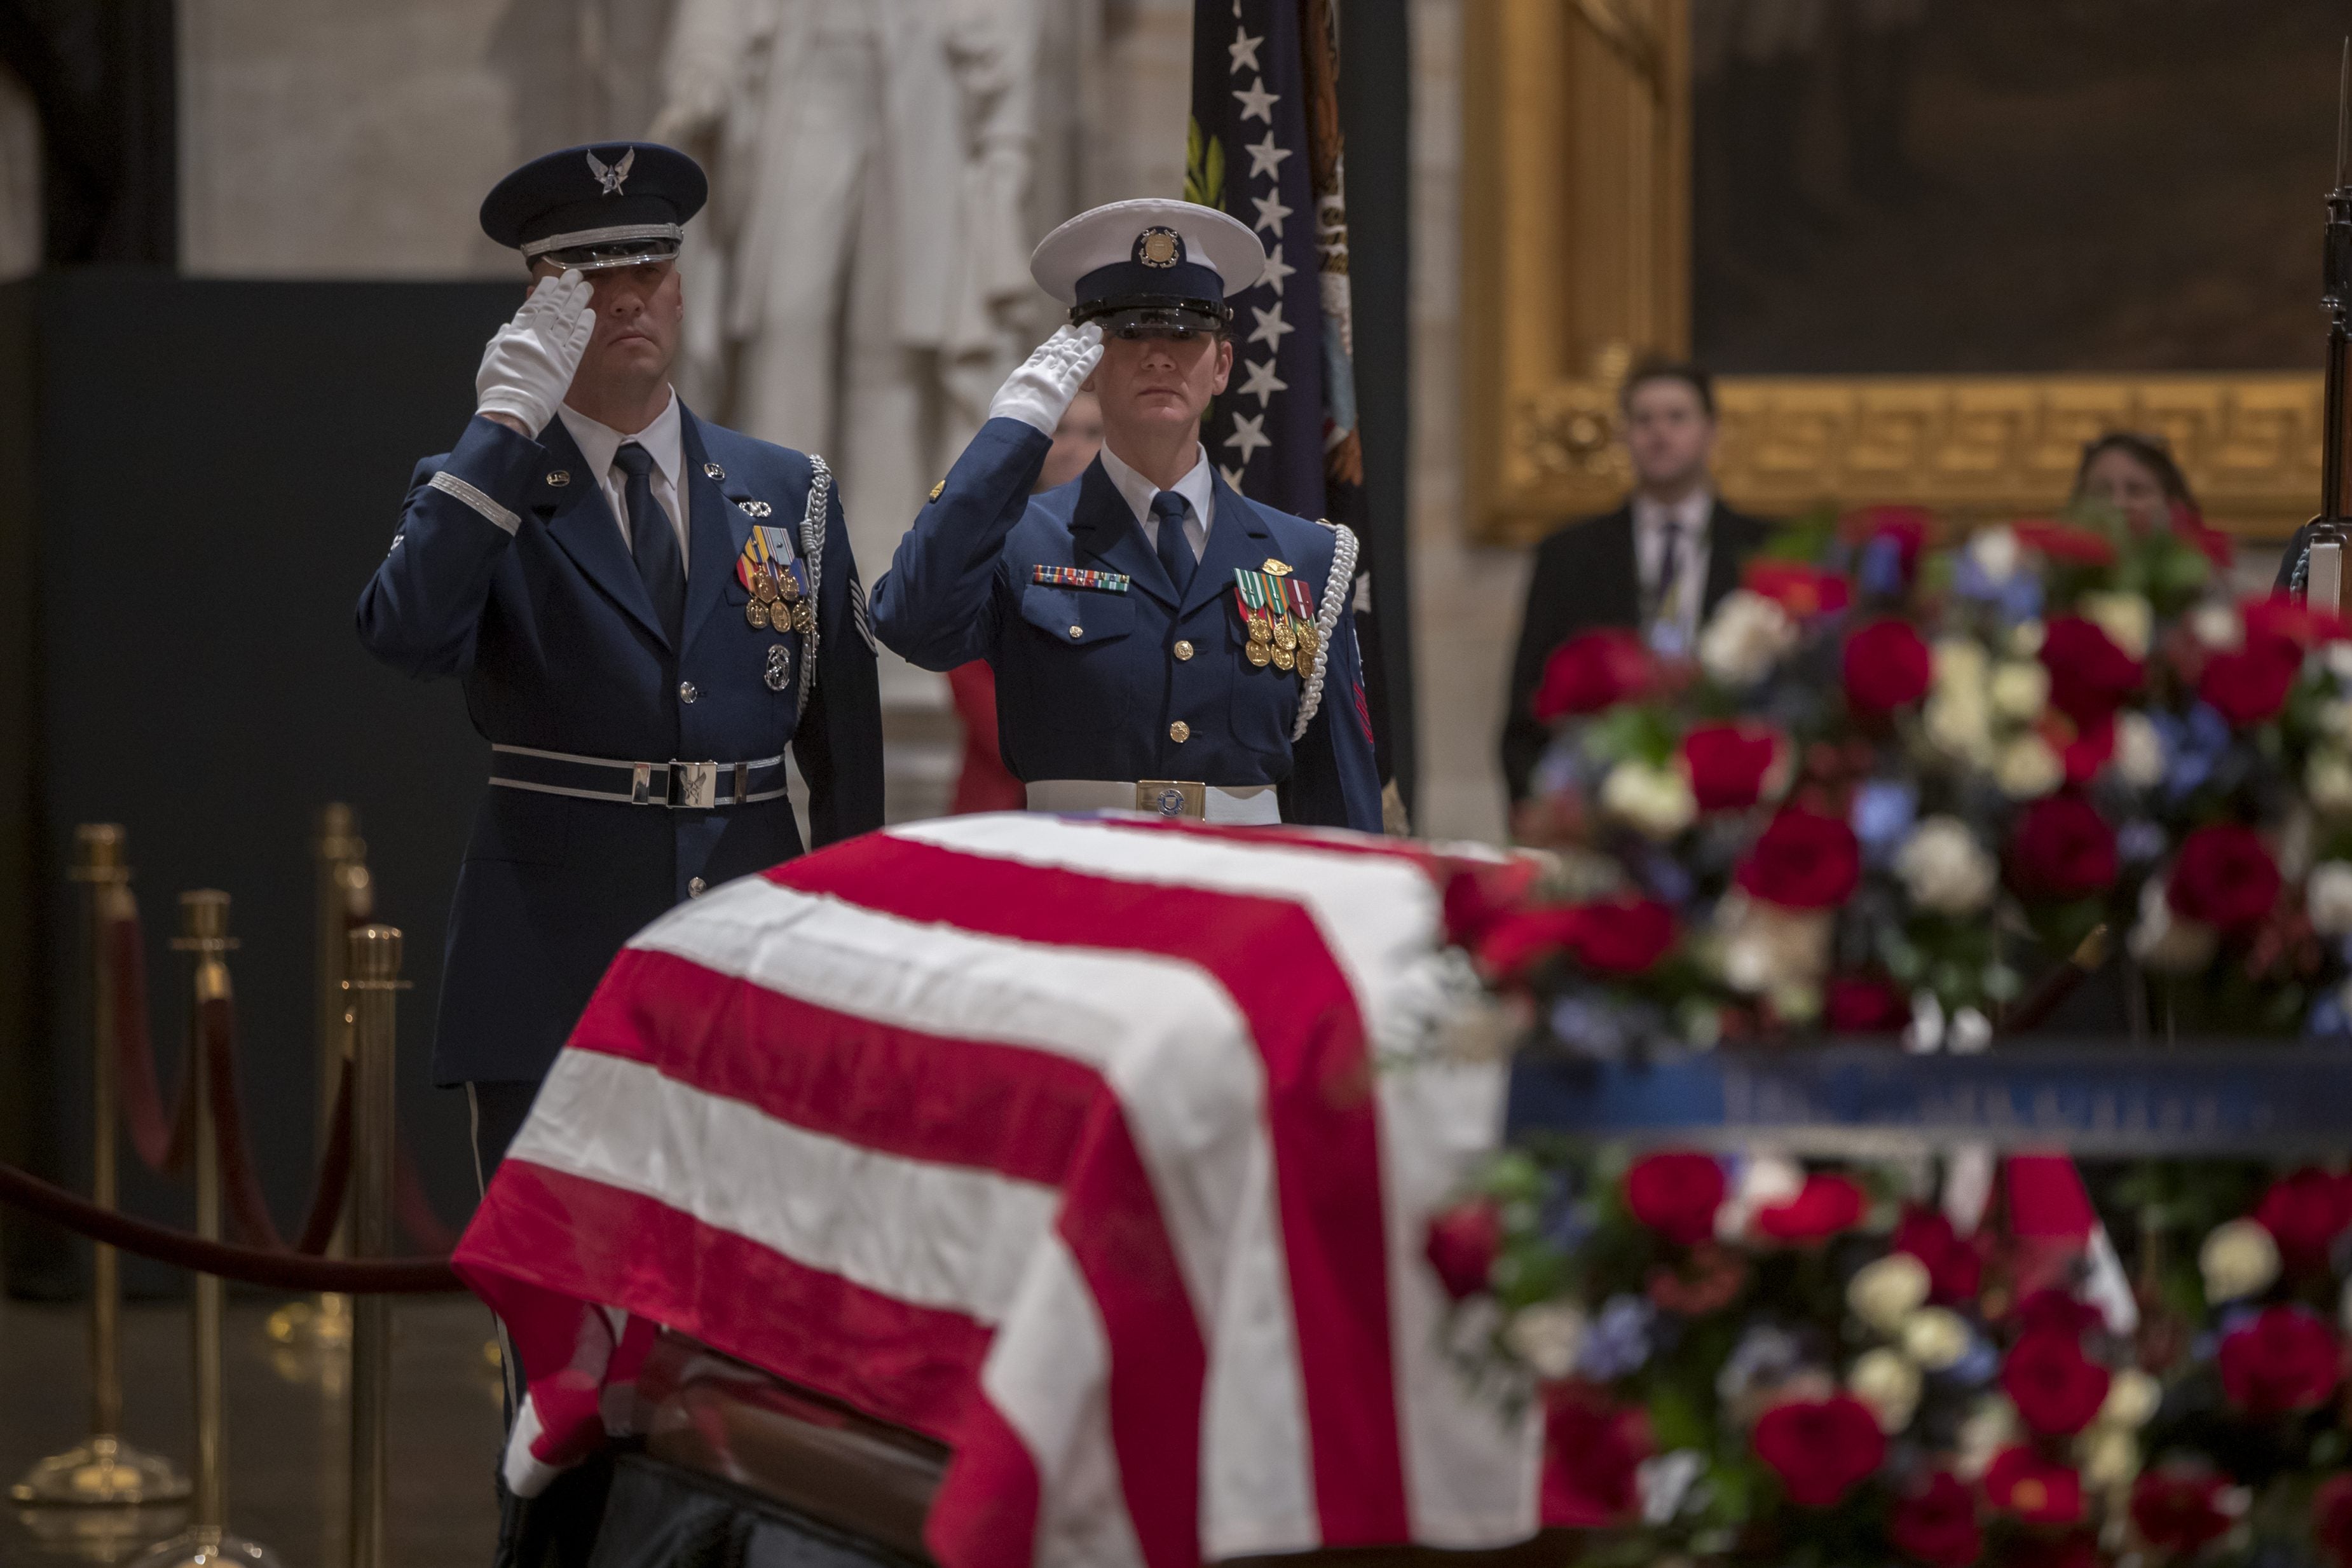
(252,1265)
(161,1142)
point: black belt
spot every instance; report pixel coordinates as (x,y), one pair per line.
(693,786)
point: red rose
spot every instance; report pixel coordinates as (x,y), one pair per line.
(1463,1244)
(1513,944)
(2064,541)
(2074,1550)
(1592,671)
(1908,526)
(2089,675)
(1803,860)
(2083,750)
(2224,877)
(1863,1004)
(2283,615)
(1825,1206)
(1624,937)
(2055,1387)
(2304,1213)
(1803,590)
(1887,666)
(1480,897)
(1727,764)
(1955,1268)
(1676,1194)
(2022,1482)
(2249,686)
(2331,1516)
(2285,1359)
(2212,543)
(1821,1448)
(1592,1457)
(2177,1509)
(2064,849)
(2052,1310)
(1937,1523)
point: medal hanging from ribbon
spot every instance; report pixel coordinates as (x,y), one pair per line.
(1252,592)
(1301,603)
(779,592)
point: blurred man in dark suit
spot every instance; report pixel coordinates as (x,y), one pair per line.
(1657,565)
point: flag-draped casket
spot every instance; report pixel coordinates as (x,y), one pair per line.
(1101,1151)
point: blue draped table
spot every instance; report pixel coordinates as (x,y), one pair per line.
(2205,1097)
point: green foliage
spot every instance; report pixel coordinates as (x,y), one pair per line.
(1205,167)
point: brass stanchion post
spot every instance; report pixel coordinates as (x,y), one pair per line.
(375,985)
(317,1332)
(206,1543)
(103,1471)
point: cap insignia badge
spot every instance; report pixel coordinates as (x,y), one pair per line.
(559,477)
(1159,247)
(610,175)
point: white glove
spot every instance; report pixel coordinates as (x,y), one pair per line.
(529,364)
(1039,393)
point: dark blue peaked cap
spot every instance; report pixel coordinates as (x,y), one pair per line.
(603,199)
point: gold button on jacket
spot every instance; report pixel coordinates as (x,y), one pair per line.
(1184,650)
(1179,732)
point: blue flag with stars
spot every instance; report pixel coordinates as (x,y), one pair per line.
(1246,153)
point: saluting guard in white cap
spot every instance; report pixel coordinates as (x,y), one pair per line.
(1160,641)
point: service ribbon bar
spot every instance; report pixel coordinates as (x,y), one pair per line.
(1079,577)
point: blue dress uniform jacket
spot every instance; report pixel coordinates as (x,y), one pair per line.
(1088,683)
(549,627)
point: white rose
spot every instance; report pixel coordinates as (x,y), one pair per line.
(2218,627)
(1885,1291)
(1764,1180)
(2328,898)
(2334,719)
(1888,1382)
(2139,749)
(2025,639)
(1944,869)
(2028,768)
(2126,618)
(1767,949)
(1935,1337)
(2020,690)
(1665,1480)
(2132,1399)
(2164,941)
(1960,724)
(1548,1336)
(1985,1431)
(2110,1457)
(2238,1259)
(2327,782)
(1656,803)
(1995,552)
(1747,635)
(1961,663)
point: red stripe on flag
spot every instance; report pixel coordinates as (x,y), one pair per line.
(1010,1109)
(541,1230)
(1320,1112)
(985,1515)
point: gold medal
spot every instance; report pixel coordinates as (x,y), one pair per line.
(1260,635)
(763,586)
(789,584)
(1257,654)
(1285,638)
(1308,641)
(1284,659)
(755,610)
(803,618)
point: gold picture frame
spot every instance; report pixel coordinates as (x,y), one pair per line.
(1576,252)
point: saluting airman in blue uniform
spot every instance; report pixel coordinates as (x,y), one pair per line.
(645,611)
(1160,641)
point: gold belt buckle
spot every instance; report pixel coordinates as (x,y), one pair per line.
(1172,798)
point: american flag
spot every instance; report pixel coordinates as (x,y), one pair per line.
(1099,1149)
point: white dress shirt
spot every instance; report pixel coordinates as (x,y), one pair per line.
(1199,499)
(598,442)
(1688,517)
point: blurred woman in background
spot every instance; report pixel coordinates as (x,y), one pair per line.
(2135,475)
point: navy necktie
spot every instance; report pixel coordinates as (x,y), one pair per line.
(1175,549)
(653,540)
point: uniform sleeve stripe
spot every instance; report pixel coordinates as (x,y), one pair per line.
(451,484)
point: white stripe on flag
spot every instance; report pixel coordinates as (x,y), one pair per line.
(1048,1375)
(1176,1052)
(931,1234)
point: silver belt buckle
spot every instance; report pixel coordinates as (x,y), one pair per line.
(1172,798)
(693,784)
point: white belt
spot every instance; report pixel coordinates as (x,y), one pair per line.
(1242,805)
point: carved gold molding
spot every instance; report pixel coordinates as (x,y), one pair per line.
(1576,247)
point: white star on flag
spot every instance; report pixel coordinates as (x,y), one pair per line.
(1233,475)
(1270,327)
(1245,47)
(1278,271)
(1260,382)
(1270,212)
(1256,102)
(1249,434)
(1266,158)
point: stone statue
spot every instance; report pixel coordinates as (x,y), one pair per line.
(857,284)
